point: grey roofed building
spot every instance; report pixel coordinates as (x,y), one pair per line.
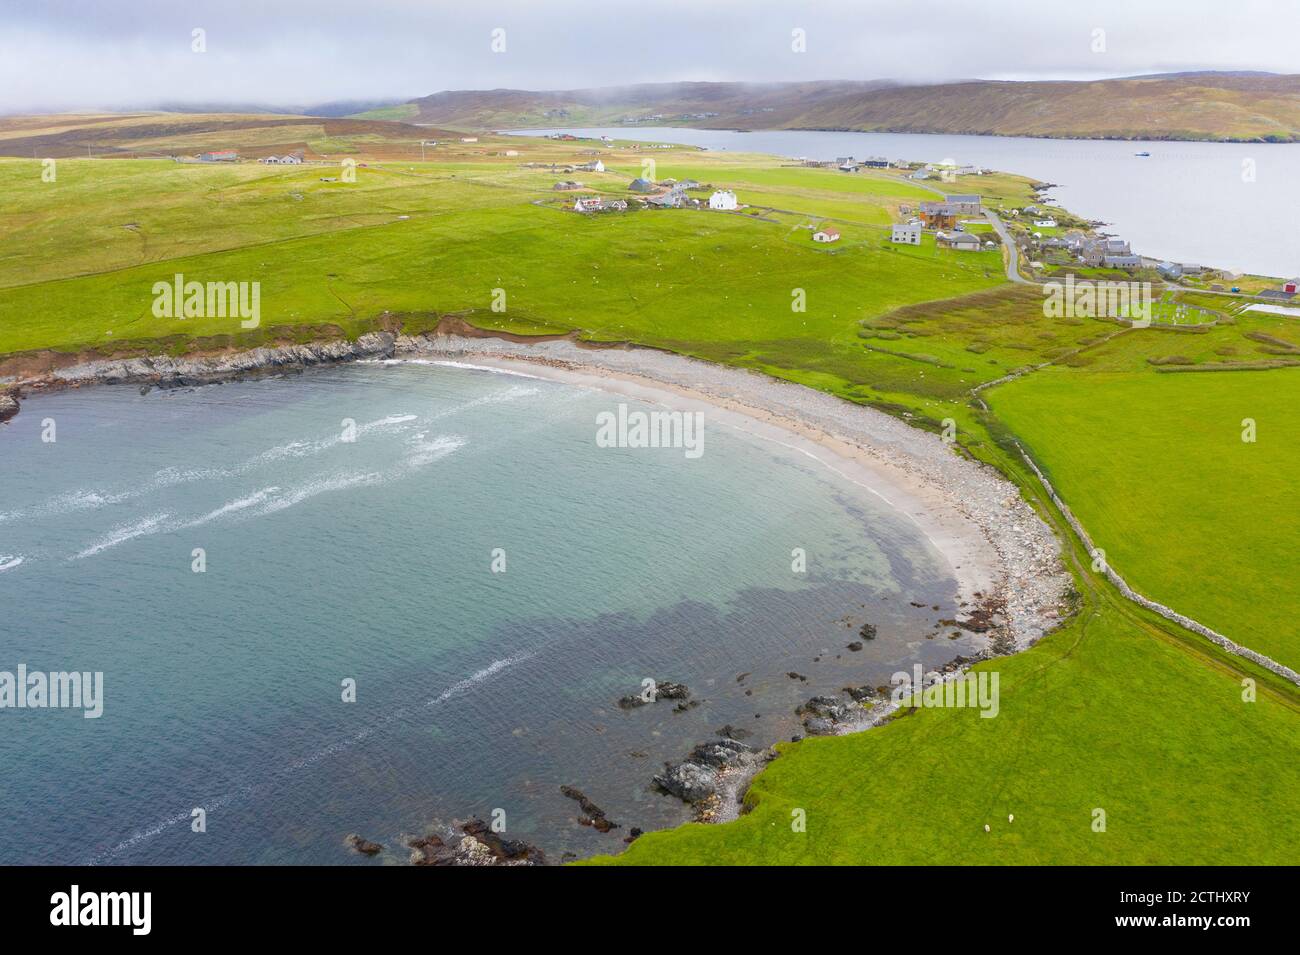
(962,241)
(1121,261)
(641,185)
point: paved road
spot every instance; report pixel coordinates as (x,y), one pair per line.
(1013,254)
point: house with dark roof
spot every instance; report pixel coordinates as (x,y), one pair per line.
(965,205)
(961,241)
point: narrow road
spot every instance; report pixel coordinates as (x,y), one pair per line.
(1013,253)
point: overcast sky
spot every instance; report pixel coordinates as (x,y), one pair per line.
(78,54)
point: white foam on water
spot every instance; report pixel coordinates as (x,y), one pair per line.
(83,499)
(231,507)
(123,533)
(423,452)
(9,561)
(488,368)
(456,689)
(336,482)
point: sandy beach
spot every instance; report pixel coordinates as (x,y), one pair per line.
(1000,551)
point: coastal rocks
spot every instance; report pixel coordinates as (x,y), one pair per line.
(671,691)
(8,407)
(722,753)
(476,845)
(363,846)
(171,372)
(593,816)
(855,646)
(828,715)
(733,732)
(662,690)
(698,777)
(688,781)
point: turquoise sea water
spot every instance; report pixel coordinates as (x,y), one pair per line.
(371,560)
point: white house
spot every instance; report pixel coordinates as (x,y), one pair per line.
(723,199)
(827,234)
(469,139)
(909,234)
(1044,223)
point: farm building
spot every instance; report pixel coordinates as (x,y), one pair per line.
(219,155)
(594,166)
(1121,261)
(567,185)
(906,234)
(1291,285)
(641,185)
(290,159)
(723,199)
(828,234)
(598,204)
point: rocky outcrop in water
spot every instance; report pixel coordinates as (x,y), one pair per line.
(8,407)
(664,690)
(476,845)
(363,846)
(593,815)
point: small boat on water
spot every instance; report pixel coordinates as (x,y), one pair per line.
(1142,154)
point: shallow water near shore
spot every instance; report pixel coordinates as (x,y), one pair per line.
(330,559)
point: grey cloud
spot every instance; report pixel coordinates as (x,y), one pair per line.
(74,54)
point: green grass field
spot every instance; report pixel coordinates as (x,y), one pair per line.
(1098,716)
(1155,467)
(1140,430)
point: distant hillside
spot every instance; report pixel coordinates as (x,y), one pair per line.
(1256,107)
(128,135)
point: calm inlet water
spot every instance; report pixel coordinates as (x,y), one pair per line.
(370,560)
(1230,205)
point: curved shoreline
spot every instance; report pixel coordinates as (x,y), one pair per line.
(999,550)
